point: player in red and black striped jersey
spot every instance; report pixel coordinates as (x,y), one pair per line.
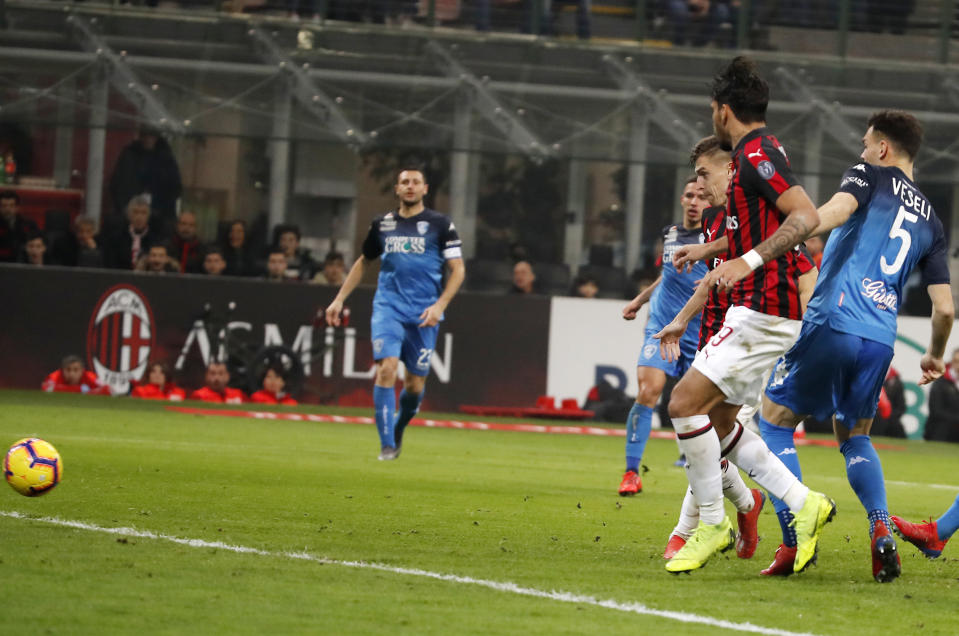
(768,214)
(714,226)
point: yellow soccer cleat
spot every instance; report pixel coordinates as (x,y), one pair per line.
(815,514)
(704,543)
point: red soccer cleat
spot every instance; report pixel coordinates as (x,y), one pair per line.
(674,545)
(748,537)
(885,556)
(631,484)
(924,536)
(782,564)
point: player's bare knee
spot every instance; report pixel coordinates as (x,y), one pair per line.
(414,383)
(386,371)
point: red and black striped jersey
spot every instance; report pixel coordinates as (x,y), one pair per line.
(761,173)
(714,312)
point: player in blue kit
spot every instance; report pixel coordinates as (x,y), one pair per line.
(885,228)
(416,243)
(667,295)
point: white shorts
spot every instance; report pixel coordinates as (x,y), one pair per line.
(739,357)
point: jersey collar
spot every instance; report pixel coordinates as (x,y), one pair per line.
(752,134)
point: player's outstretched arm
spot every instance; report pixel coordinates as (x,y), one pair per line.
(943,315)
(431,315)
(687,256)
(352,280)
(835,212)
(671,334)
(631,309)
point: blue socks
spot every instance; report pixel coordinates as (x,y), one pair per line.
(949,522)
(384,401)
(409,405)
(779,439)
(638,425)
(865,476)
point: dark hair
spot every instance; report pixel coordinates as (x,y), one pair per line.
(705,146)
(692,179)
(212,248)
(164,245)
(412,167)
(902,129)
(163,367)
(740,87)
(70,359)
(283,229)
(31,236)
(333,257)
(10,194)
(275,249)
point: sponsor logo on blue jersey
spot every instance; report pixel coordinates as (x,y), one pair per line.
(876,291)
(405,245)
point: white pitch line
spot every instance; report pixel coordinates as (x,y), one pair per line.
(500,586)
(907,484)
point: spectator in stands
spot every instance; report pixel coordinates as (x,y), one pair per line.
(272,391)
(35,250)
(276,266)
(524,279)
(216,389)
(585,286)
(147,167)
(295,7)
(159,385)
(79,248)
(240,260)
(815,245)
(157,261)
(333,272)
(127,243)
(942,424)
(890,424)
(698,21)
(213,262)
(72,377)
(299,264)
(14,228)
(184,245)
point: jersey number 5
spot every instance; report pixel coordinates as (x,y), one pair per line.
(899,232)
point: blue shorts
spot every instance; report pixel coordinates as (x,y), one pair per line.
(395,338)
(827,372)
(649,356)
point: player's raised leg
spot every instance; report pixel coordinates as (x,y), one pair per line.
(417,352)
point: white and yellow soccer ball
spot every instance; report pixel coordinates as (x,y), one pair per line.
(32,467)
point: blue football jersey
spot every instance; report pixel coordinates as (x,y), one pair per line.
(414,251)
(675,289)
(868,259)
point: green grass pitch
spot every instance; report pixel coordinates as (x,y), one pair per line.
(537,511)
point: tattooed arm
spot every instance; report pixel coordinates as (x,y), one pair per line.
(801,219)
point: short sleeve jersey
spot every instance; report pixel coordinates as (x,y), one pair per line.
(675,288)
(868,259)
(761,174)
(414,251)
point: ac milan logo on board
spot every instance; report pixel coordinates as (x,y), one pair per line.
(120,337)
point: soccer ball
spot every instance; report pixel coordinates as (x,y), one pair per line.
(32,467)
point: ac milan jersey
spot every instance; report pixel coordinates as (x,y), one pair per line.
(868,259)
(414,251)
(761,174)
(675,288)
(714,226)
